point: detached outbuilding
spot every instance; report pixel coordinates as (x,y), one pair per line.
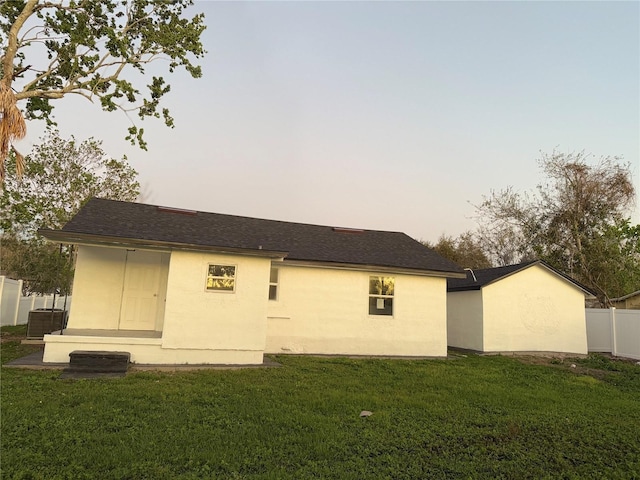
(627,302)
(529,307)
(171,286)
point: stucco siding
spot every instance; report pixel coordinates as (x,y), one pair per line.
(318,311)
(464,320)
(326,311)
(198,326)
(196,318)
(534,310)
(97,288)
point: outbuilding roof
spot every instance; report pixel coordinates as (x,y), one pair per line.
(103,221)
(625,297)
(476,279)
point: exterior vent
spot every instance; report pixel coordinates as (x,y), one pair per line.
(347,230)
(179,211)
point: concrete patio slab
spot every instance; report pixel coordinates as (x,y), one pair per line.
(34,362)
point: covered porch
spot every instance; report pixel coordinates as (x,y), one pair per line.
(145,346)
(91,332)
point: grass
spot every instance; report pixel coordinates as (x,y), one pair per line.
(470,417)
(11,346)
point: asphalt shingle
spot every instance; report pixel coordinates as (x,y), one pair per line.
(303,242)
(486,276)
(483,277)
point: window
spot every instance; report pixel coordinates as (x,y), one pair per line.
(273,284)
(221,278)
(381,295)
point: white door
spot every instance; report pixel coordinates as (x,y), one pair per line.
(140,291)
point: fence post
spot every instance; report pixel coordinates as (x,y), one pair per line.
(18,297)
(2,277)
(614,328)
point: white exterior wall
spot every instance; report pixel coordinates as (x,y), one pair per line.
(326,311)
(319,310)
(97,288)
(464,320)
(198,326)
(198,319)
(534,310)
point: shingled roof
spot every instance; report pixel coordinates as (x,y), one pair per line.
(109,221)
(486,276)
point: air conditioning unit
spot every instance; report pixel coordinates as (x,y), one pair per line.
(43,321)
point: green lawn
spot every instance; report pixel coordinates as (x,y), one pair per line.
(468,417)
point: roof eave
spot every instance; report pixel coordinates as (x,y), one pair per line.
(578,285)
(625,297)
(123,242)
(373,268)
(544,264)
(524,266)
(464,289)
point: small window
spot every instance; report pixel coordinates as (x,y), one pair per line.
(273,284)
(381,295)
(221,278)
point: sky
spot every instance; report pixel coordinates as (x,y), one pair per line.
(382,115)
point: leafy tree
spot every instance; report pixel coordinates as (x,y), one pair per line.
(615,256)
(575,220)
(465,250)
(44,266)
(60,176)
(94,49)
(503,230)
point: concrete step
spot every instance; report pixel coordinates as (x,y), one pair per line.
(98,361)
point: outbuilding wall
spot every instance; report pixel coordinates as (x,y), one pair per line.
(534,310)
(326,311)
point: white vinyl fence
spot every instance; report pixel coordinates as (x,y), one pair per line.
(15,308)
(614,331)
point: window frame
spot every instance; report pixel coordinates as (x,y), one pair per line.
(218,290)
(275,284)
(381,296)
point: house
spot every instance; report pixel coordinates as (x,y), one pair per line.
(630,301)
(517,308)
(174,286)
